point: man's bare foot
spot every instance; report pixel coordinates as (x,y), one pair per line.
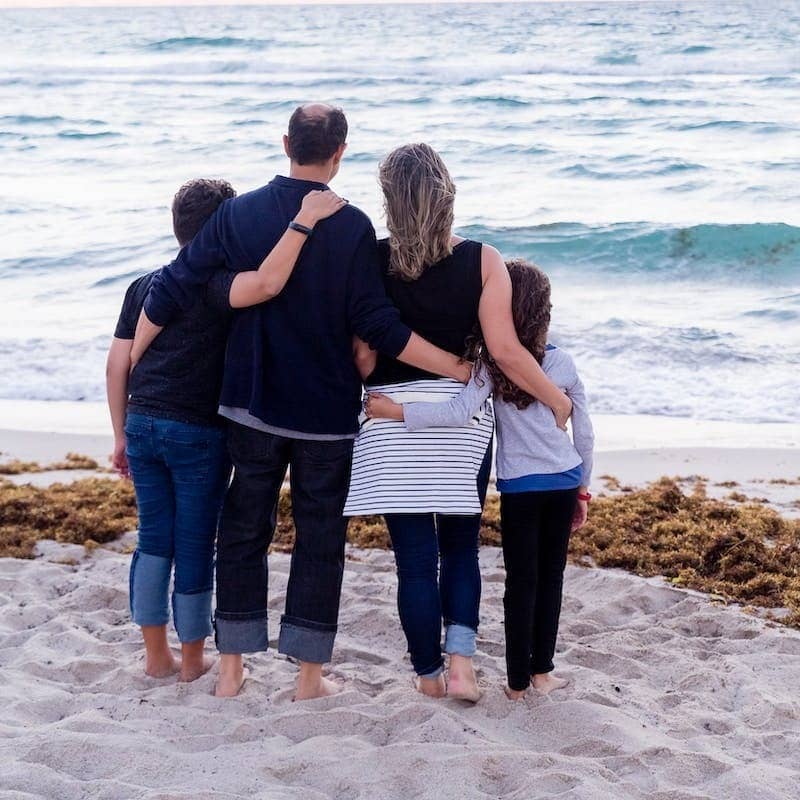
(514,694)
(547,682)
(461,681)
(309,690)
(232,676)
(431,687)
(160,665)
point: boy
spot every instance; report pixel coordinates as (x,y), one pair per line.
(169,439)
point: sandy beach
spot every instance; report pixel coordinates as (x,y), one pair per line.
(673,696)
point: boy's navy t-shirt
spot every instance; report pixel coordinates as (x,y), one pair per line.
(180,374)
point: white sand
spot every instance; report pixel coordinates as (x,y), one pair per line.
(671,698)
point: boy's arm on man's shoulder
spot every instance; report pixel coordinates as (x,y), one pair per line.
(175,288)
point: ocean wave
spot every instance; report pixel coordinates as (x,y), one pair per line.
(710,252)
(187,42)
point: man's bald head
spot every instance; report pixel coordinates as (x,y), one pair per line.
(316,132)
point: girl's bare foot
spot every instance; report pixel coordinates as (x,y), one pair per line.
(325,687)
(232,676)
(547,682)
(461,681)
(431,687)
(158,660)
(514,694)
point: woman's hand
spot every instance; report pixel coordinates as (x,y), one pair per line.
(581,515)
(119,459)
(379,406)
(319,205)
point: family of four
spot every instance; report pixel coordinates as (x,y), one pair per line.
(252,350)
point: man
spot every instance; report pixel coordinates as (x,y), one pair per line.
(291,394)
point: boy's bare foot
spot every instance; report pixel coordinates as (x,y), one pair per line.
(158,659)
(310,690)
(461,681)
(191,672)
(194,663)
(431,687)
(160,665)
(232,676)
(514,694)
(547,682)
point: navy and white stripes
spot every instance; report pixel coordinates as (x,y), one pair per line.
(397,471)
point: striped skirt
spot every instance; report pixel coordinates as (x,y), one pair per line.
(435,470)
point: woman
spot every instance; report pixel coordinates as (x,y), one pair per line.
(430,485)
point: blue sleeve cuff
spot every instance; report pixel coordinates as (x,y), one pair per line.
(395,340)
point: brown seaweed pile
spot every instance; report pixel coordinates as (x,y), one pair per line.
(89,512)
(71,461)
(740,552)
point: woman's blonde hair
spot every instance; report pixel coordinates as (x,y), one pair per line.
(418,197)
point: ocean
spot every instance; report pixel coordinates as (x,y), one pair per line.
(646,155)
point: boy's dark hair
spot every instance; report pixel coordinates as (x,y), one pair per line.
(194,203)
(314,136)
(530,308)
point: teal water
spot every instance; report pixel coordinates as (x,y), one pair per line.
(645,154)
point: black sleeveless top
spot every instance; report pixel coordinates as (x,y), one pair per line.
(441,306)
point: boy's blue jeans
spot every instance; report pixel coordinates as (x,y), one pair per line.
(180,472)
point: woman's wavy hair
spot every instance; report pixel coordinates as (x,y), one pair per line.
(418,199)
(530,308)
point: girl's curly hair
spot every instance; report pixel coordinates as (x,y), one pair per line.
(530,308)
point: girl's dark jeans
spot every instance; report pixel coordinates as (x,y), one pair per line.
(535,528)
(438,577)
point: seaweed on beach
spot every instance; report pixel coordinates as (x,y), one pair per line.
(89,512)
(739,552)
(71,461)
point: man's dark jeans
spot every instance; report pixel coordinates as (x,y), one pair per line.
(320,475)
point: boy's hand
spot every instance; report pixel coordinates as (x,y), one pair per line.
(380,406)
(119,460)
(581,515)
(319,205)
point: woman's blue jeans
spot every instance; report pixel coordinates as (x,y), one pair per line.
(438,578)
(179,472)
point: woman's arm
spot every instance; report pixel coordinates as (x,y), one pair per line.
(257,286)
(504,346)
(118,368)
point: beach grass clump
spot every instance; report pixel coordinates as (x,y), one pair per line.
(88,512)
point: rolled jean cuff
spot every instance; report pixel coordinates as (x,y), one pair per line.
(306,640)
(241,633)
(459,640)
(192,615)
(431,675)
(149,588)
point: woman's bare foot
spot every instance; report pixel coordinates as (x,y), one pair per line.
(194,663)
(325,687)
(514,694)
(547,682)
(158,660)
(232,676)
(461,681)
(431,687)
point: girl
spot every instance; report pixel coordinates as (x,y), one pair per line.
(542,476)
